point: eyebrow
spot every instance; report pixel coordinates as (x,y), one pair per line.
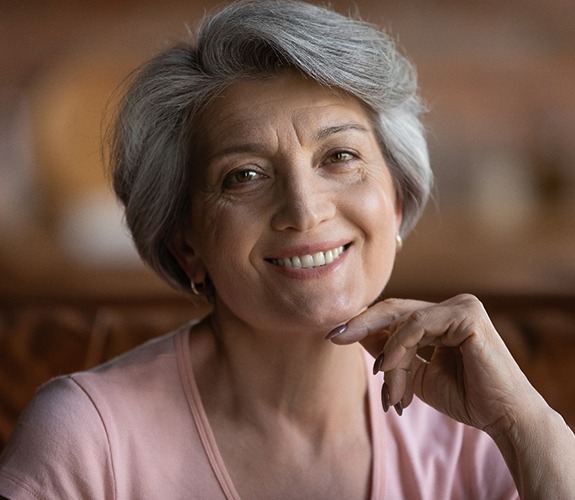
(254,147)
(249,148)
(326,132)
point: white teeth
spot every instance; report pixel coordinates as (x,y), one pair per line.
(319,259)
(308,261)
(328,257)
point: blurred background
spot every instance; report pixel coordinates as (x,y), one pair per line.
(498,78)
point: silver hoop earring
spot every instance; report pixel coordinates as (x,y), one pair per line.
(197,289)
(398,243)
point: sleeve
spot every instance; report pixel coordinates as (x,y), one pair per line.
(58,449)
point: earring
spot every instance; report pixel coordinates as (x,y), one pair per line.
(398,243)
(197,289)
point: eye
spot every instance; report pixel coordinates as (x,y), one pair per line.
(241,176)
(341,156)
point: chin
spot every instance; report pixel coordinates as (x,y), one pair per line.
(327,316)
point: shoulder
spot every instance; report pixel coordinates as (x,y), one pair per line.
(147,373)
(58,410)
(59,444)
(68,437)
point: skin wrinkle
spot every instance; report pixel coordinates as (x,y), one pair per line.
(182,85)
(326,134)
(268,321)
(272,324)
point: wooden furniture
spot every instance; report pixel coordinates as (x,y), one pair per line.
(44,337)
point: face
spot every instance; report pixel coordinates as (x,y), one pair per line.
(294,214)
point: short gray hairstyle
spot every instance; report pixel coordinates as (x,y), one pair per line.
(151,140)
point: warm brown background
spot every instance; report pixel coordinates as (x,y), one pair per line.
(499,78)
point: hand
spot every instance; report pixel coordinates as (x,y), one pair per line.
(470,376)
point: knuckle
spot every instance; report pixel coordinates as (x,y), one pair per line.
(467,299)
(362,325)
(418,316)
(393,302)
(473,303)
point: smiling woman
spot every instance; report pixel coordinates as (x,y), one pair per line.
(273,164)
(168,105)
(300,163)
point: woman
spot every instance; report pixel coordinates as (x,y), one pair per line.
(274,165)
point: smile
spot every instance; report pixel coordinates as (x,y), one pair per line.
(309,261)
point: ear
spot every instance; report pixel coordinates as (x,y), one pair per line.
(398,212)
(183,251)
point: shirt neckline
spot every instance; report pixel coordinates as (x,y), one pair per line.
(210,445)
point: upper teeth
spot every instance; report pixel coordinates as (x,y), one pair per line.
(306,261)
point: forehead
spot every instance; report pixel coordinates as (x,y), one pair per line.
(257,106)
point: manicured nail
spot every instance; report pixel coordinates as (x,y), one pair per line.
(377,364)
(335,332)
(385,401)
(399,408)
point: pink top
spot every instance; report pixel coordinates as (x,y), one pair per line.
(135,427)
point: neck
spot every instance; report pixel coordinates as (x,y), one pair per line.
(300,377)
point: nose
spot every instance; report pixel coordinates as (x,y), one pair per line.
(304,199)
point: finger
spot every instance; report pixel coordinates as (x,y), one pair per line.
(373,321)
(400,380)
(440,324)
(397,382)
(399,387)
(406,336)
(418,367)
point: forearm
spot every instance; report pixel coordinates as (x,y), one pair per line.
(540,453)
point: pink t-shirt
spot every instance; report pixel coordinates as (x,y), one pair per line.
(136,428)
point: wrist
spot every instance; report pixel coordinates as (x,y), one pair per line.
(523,416)
(539,449)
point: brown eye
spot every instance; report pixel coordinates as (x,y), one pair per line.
(341,156)
(245,176)
(241,177)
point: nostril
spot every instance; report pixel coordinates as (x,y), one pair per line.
(304,213)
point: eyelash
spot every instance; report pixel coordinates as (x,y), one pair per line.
(350,156)
(232,178)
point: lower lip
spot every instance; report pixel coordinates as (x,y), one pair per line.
(311,272)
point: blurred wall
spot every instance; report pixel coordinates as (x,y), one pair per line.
(499,81)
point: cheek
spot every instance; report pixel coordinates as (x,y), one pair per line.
(376,217)
(374,209)
(213,222)
(225,237)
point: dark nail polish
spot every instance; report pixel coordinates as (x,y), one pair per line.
(378,363)
(385,401)
(336,331)
(399,408)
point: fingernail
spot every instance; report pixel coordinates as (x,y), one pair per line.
(399,408)
(335,332)
(385,401)
(378,363)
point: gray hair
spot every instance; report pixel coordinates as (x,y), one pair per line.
(151,140)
